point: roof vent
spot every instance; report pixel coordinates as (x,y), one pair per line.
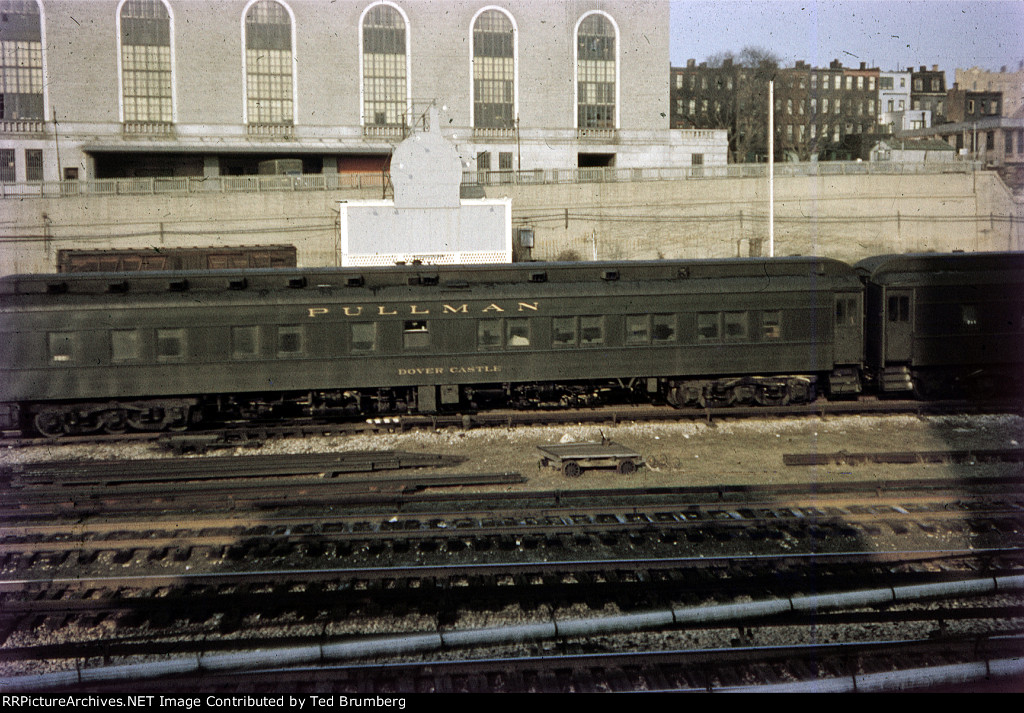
(538,277)
(56,288)
(118,287)
(178,286)
(355,281)
(610,275)
(296,283)
(239,284)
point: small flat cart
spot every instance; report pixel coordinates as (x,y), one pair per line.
(573,458)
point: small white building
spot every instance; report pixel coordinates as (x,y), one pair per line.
(427,222)
(913,151)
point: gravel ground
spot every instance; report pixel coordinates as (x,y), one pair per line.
(690,453)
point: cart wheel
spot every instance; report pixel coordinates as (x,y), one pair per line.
(627,467)
(572,469)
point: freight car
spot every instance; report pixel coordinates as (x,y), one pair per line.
(89,352)
(945,325)
(162,259)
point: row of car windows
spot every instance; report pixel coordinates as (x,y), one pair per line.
(171,344)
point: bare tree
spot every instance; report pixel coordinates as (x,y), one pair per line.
(749,140)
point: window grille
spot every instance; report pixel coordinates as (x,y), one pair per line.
(21,61)
(268,64)
(595,73)
(146,85)
(494,69)
(384,67)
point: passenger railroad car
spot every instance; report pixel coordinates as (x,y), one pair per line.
(946,325)
(165,350)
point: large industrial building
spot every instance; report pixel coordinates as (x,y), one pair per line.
(98,89)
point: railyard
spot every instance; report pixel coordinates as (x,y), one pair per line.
(537,582)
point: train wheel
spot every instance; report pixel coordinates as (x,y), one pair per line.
(572,469)
(115,422)
(177,419)
(49,423)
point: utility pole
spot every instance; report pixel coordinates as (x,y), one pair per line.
(771,168)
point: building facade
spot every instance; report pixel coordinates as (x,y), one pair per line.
(967,105)
(928,92)
(1009,84)
(894,100)
(132,88)
(829,112)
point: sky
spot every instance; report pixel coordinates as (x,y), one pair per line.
(888,34)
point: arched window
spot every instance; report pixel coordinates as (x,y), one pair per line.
(269,93)
(494,71)
(21,61)
(385,80)
(595,72)
(146,83)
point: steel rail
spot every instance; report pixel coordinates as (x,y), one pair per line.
(551,567)
(557,628)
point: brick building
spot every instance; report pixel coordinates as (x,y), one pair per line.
(131,88)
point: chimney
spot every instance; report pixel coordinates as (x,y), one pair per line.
(935,68)
(863,65)
(691,63)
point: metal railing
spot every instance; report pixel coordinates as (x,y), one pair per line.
(736,170)
(376,180)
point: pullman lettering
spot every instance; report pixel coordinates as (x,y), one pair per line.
(420,310)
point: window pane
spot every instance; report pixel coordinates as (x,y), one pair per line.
(707,327)
(244,341)
(518,332)
(146,61)
(735,326)
(268,64)
(563,331)
(170,344)
(289,341)
(415,335)
(489,334)
(125,345)
(384,73)
(595,73)
(664,327)
(21,62)
(591,330)
(364,336)
(61,346)
(638,329)
(493,71)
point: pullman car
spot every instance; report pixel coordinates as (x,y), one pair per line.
(945,325)
(112,351)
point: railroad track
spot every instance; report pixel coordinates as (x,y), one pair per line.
(600,644)
(956,664)
(234,435)
(967,663)
(478,523)
(154,576)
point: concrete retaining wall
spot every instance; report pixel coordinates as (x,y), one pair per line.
(846,217)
